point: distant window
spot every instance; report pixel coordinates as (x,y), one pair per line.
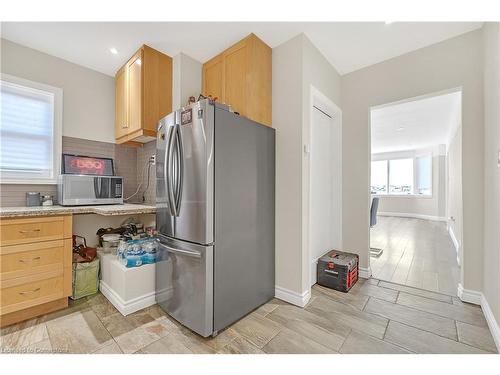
(407,176)
(401,176)
(379,177)
(424,175)
(30,131)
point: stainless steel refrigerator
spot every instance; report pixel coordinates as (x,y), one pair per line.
(215,174)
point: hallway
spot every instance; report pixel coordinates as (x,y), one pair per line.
(417,253)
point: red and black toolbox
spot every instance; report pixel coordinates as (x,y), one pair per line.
(338,270)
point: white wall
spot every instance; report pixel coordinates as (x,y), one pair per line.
(297,65)
(454,187)
(287,120)
(186,80)
(491,260)
(453,63)
(88,96)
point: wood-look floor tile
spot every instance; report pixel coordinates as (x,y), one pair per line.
(269,306)
(117,324)
(142,336)
(412,317)
(356,300)
(416,291)
(479,337)
(372,281)
(358,343)
(284,314)
(176,343)
(419,341)
(257,329)
(80,332)
(310,330)
(23,335)
(375,291)
(222,339)
(290,342)
(447,310)
(112,348)
(240,346)
(370,324)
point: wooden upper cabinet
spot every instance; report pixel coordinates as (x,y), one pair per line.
(241,77)
(121,103)
(212,77)
(143,95)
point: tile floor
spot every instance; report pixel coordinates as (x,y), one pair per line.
(374,317)
(417,253)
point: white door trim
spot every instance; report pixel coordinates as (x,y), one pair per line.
(319,100)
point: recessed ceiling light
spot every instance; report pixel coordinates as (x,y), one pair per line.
(113,50)
(400,129)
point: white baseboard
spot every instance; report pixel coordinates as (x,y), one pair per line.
(490,319)
(413,216)
(478,298)
(470,296)
(365,273)
(455,243)
(294,298)
(127,307)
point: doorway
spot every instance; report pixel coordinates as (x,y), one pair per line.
(325,182)
(416,192)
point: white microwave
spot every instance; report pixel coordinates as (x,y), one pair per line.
(79,190)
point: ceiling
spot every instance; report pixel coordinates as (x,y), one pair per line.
(347,45)
(415,124)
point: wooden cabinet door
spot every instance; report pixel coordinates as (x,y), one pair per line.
(121,103)
(213,78)
(134,79)
(235,77)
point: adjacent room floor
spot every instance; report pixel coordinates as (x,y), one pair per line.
(417,253)
(374,317)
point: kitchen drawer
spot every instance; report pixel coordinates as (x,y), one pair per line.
(33,258)
(20,231)
(17,295)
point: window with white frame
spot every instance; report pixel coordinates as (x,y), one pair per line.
(402,176)
(30,131)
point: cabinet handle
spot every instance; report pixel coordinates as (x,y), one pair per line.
(29,291)
(124,126)
(28,231)
(29,261)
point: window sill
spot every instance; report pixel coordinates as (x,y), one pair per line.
(419,196)
(11,181)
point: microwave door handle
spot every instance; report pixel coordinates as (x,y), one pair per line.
(96,187)
(169,174)
(180,170)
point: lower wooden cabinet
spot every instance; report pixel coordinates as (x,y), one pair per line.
(35,266)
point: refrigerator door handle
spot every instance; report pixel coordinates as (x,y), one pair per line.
(180,170)
(194,254)
(168,172)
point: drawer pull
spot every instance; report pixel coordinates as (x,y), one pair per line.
(29,261)
(29,231)
(29,291)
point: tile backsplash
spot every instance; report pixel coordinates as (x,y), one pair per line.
(129,163)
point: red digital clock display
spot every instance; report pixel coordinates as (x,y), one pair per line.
(74,164)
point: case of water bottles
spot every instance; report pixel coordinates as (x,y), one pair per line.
(135,253)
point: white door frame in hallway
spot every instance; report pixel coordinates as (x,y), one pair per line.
(457,244)
(320,104)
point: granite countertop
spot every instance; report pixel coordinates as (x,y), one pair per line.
(104,210)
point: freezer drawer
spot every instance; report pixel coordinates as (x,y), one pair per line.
(184,283)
